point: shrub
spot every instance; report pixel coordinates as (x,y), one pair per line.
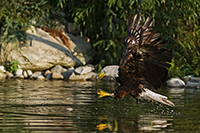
(16,16)
(13,66)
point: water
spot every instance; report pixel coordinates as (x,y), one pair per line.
(61,106)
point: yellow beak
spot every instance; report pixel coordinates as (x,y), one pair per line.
(102,93)
(101,75)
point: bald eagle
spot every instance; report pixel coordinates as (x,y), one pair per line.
(143,61)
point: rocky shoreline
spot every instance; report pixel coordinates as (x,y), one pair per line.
(47,58)
(82,73)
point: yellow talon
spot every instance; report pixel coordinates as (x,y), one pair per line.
(102,126)
(102,93)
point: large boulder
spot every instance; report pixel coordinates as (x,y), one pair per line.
(175,82)
(43,51)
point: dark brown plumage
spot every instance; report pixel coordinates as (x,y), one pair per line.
(143,61)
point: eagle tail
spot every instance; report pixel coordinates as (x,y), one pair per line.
(150,95)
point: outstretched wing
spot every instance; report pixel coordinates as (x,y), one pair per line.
(137,35)
(134,31)
(143,59)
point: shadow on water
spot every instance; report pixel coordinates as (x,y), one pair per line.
(60,106)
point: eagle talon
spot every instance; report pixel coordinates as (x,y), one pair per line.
(102,93)
(143,61)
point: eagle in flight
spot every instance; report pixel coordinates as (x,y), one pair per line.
(143,61)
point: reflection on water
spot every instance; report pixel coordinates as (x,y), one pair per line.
(60,106)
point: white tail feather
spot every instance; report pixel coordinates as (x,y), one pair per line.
(150,95)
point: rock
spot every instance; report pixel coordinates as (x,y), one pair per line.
(36,74)
(19,76)
(193,82)
(56,72)
(78,70)
(47,72)
(44,51)
(3,75)
(56,75)
(29,72)
(25,74)
(40,77)
(64,69)
(186,78)
(83,69)
(9,75)
(19,72)
(175,82)
(83,50)
(2,69)
(49,76)
(57,69)
(83,77)
(68,73)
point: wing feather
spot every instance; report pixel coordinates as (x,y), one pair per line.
(143,59)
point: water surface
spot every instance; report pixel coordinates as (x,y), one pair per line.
(61,106)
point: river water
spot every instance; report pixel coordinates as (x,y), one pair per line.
(30,106)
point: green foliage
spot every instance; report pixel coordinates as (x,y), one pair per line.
(61,3)
(186,57)
(16,16)
(181,28)
(104,22)
(107,50)
(13,66)
(178,22)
